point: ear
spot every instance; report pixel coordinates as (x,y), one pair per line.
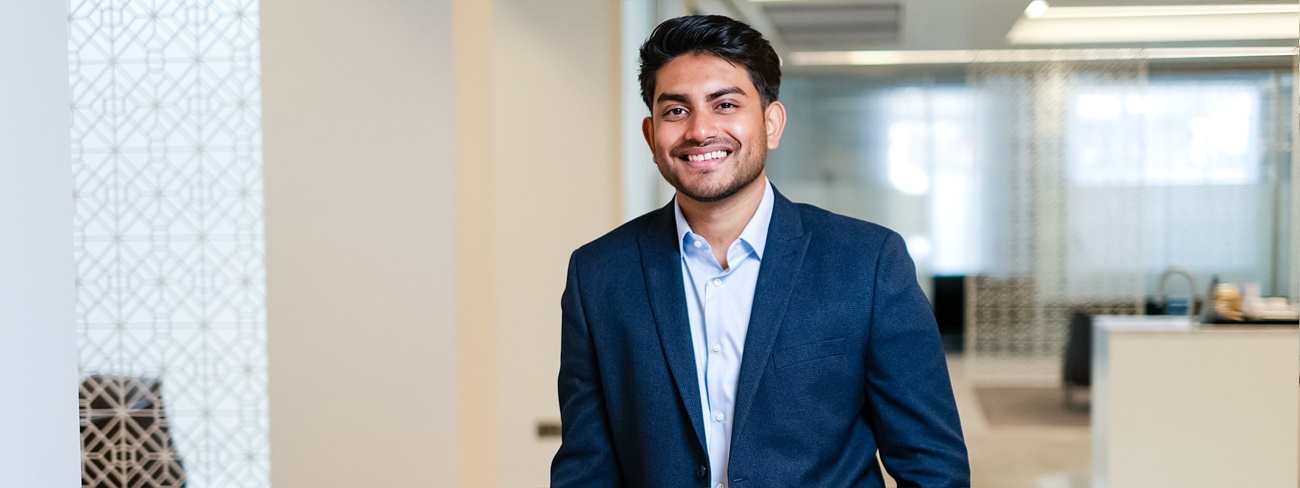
(648,130)
(774,120)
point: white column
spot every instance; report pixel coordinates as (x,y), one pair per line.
(641,182)
(38,344)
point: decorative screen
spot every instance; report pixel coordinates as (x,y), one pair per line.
(1036,226)
(166,152)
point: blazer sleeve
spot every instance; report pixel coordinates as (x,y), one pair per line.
(586,456)
(913,411)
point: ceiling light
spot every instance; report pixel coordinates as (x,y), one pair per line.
(1155,23)
(1036,9)
(1161,11)
(879,58)
(894,58)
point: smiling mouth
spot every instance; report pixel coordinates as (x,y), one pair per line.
(708,156)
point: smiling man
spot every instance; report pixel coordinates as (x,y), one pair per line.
(733,338)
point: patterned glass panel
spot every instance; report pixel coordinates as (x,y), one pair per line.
(167,158)
(1034,272)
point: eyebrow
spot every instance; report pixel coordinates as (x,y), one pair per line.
(733,90)
(682,98)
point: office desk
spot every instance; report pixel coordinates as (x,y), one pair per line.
(1176,404)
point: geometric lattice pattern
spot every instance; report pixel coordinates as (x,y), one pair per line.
(1014,337)
(169,240)
(124,435)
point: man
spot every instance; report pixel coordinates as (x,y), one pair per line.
(733,338)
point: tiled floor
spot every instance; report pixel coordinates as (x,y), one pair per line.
(1019,457)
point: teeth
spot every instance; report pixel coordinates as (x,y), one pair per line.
(706,156)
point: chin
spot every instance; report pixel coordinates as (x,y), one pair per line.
(710,194)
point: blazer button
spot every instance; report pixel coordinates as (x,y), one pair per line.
(701,471)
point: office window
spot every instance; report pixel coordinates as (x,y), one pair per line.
(1194,132)
(888,153)
(929,152)
(1189,164)
(167,160)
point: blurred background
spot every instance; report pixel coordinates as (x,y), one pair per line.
(322,243)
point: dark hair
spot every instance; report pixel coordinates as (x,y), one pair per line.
(720,36)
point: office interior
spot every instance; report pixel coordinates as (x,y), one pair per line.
(322,243)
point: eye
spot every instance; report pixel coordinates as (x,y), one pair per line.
(726,105)
(675,113)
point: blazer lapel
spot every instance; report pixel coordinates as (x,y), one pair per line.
(661,263)
(786,244)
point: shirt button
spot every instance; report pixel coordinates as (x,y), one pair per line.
(717,348)
(720,485)
(697,243)
(717,282)
(719,417)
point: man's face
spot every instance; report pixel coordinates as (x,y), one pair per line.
(708,129)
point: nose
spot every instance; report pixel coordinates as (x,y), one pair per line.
(703,126)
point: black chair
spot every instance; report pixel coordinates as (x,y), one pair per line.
(125,440)
(1076,365)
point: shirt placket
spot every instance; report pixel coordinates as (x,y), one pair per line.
(716,325)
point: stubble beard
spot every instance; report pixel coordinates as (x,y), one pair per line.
(743,173)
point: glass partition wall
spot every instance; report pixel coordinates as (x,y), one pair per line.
(1054,186)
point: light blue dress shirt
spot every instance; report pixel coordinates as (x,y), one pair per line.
(719,303)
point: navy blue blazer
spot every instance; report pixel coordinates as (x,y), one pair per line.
(842,359)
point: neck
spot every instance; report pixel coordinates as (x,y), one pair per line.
(721,222)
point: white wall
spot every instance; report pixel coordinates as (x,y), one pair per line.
(39,443)
(556,104)
(429,168)
(360,263)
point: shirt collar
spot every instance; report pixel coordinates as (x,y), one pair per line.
(755,233)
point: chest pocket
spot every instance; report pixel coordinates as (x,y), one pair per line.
(807,352)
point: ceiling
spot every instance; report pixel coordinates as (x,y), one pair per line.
(839,25)
(830,26)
